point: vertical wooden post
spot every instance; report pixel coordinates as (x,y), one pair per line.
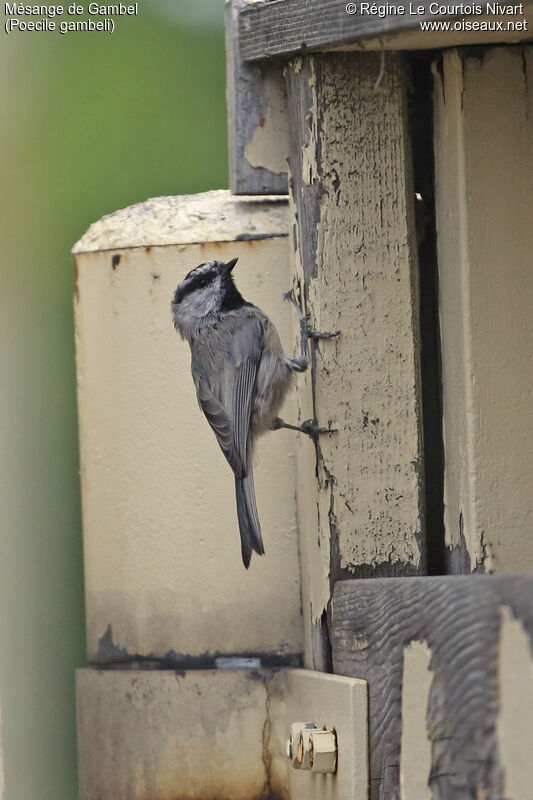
(360,498)
(484,199)
(257,127)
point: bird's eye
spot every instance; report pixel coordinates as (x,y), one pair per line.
(203,282)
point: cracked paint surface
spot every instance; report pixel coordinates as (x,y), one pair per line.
(356,258)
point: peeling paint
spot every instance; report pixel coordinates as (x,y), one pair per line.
(264,148)
(359,278)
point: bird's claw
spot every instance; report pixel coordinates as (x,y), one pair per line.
(321,335)
(310,428)
(305,319)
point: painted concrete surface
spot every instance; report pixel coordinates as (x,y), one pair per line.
(164,576)
(201,735)
(213,734)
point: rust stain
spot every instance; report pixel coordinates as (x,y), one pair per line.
(215,245)
(148,249)
(262,122)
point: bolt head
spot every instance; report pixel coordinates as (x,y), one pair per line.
(323,751)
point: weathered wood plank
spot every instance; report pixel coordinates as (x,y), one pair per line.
(484,205)
(474,629)
(360,493)
(287,27)
(257,129)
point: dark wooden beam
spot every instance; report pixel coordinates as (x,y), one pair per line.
(472,636)
(283,27)
(286,27)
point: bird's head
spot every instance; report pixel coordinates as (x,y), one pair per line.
(207,289)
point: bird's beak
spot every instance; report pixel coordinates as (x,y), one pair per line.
(230,264)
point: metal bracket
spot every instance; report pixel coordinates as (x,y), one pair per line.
(167,722)
(334,740)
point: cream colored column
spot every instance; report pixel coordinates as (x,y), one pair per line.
(484,190)
(360,492)
(163,570)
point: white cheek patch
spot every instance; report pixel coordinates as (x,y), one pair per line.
(203,301)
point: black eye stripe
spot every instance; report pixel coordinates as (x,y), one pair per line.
(201,280)
(193,281)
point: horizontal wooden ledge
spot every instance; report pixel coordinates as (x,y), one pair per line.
(276,28)
(448,661)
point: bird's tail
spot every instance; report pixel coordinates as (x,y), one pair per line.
(249,526)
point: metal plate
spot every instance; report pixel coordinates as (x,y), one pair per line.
(334,702)
(211,734)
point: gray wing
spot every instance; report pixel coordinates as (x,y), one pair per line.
(225,388)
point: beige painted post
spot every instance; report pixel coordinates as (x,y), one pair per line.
(484,193)
(163,571)
(360,492)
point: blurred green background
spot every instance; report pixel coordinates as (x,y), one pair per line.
(91,122)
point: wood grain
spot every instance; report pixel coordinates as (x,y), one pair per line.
(249,90)
(286,27)
(353,228)
(459,619)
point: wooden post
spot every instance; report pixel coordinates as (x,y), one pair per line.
(360,490)
(257,126)
(484,199)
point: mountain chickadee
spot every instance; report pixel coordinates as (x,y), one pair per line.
(241,375)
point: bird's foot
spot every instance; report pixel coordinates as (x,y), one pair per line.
(321,335)
(309,427)
(306,332)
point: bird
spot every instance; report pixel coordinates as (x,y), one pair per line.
(241,375)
